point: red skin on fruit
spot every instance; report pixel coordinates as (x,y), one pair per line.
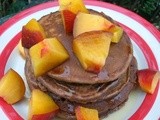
(30,38)
(79,113)
(46,116)
(95,69)
(110,27)
(44,51)
(68,19)
(83,113)
(148,79)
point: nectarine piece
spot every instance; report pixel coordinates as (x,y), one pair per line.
(89,22)
(69,10)
(148,79)
(117,32)
(92,48)
(32,33)
(74,6)
(46,55)
(41,106)
(83,113)
(12,88)
(68,19)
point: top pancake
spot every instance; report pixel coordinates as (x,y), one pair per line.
(117,62)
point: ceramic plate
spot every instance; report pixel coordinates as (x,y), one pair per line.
(146,45)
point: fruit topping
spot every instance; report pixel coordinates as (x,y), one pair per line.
(12,88)
(32,33)
(89,22)
(69,10)
(148,79)
(92,48)
(83,113)
(117,32)
(46,55)
(41,106)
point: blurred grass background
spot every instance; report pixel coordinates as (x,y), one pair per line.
(148,9)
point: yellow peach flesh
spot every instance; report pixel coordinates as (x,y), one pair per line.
(74,6)
(69,9)
(83,113)
(32,33)
(46,55)
(41,106)
(90,22)
(155,82)
(92,49)
(148,80)
(117,33)
(33,25)
(12,88)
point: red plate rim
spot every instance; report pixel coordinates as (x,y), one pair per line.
(152,64)
(141,112)
(47,5)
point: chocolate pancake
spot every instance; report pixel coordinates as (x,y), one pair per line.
(104,106)
(70,85)
(117,62)
(79,92)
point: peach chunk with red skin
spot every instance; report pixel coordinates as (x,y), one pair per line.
(41,106)
(148,79)
(90,22)
(68,19)
(12,87)
(83,113)
(32,33)
(69,10)
(46,55)
(91,49)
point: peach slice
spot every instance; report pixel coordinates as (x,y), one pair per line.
(12,88)
(41,106)
(21,49)
(92,48)
(32,33)
(69,9)
(89,22)
(68,19)
(74,6)
(83,113)
(46,55)
(117,32)
(148,79)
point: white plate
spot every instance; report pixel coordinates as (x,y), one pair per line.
(146,44)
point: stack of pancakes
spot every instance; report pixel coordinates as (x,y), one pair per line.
(70,85)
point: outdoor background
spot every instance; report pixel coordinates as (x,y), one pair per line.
(148,9)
